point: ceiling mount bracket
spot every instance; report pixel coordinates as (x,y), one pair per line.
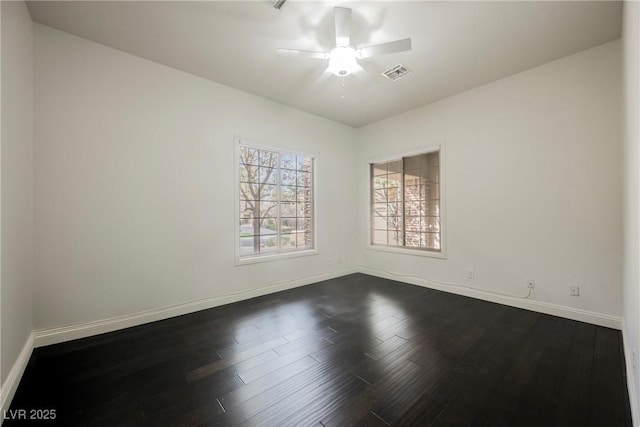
(277,4)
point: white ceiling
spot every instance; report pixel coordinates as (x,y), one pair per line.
(456,45)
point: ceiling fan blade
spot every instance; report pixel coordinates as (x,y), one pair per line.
(304,53)
(363,75)
(384,48)
(321,79)
(342,17)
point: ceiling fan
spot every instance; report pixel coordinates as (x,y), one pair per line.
(343,58)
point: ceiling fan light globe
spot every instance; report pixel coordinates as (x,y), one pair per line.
(342,61)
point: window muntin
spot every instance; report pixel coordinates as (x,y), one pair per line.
(276,201)
(405,202)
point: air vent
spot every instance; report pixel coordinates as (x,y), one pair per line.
(277,4)
(396,72)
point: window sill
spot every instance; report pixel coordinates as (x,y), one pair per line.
(405,251)
(254,259)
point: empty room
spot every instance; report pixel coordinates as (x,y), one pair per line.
(292,213)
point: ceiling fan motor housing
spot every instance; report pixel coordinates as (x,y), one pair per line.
(342,60)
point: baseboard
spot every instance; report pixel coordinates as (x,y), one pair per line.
(8,389)
(43,337)
(631,378)
(538,306)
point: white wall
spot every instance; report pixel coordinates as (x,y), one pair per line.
(134,165)
(533,182)
(134,184)
(17,184)
(631,255)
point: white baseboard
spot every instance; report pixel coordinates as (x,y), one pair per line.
(8,389)
(631,378)
(537,306)
(44,337)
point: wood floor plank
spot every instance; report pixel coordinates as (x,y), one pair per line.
(423,412)
(307,405)
(475,375)
(503,405)
(233,358)
(539,402)
(236,398)
(371,420)
(195,401)
(606,402)
(280,361)
(283,390)
(359,405)
(399,400)
(575,389)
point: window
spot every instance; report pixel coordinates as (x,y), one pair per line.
(405,202)
(276,201)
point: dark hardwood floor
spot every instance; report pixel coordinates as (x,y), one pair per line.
(357,350)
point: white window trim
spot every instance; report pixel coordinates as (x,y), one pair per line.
(443,195)
(272,256)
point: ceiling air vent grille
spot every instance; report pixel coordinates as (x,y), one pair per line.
(396,72)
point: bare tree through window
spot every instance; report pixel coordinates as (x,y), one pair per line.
(405,196)
(276,201)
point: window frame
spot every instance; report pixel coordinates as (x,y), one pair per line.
(271,256)
(442,254)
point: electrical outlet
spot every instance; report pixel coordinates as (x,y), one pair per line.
(531,284)
(574,291)
(471,274)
